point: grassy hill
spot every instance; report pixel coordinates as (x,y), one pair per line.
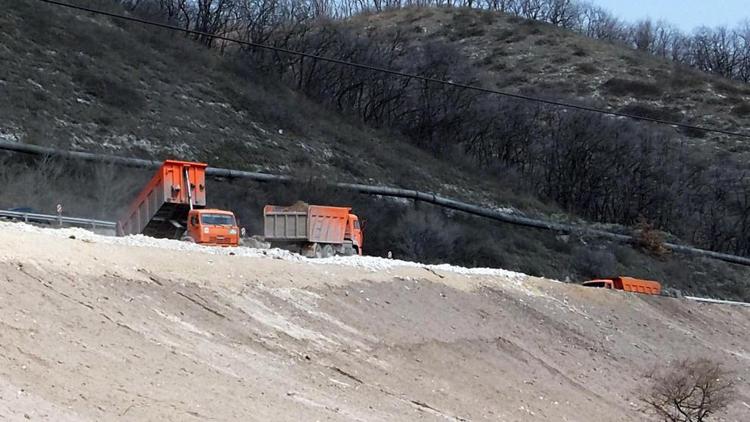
(519,55)
(75,81)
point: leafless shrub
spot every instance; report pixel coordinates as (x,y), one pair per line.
(587,68)
(689,390)
(645,110)
(741,110)
(595,263)
(421,235)
(627,87)
(650,239)
(84,190)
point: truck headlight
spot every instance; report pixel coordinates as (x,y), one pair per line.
(233,231)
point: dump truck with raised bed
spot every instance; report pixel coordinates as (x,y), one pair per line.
(313,230)
(628,284)
(173,206)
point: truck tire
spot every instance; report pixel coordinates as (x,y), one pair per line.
(313,251)
(188,239)
(327,251)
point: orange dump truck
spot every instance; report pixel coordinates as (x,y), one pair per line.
(628,284)
(173,205)
(313,230)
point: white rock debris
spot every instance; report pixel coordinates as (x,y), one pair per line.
(370,263)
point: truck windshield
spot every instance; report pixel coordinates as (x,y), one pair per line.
(217,219)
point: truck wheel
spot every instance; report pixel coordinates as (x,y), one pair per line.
(327,251)
(187,239)
(313,251)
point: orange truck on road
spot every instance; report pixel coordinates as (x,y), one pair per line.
(313,230)
(628,284)
(173,205)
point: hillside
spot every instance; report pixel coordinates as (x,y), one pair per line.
(101,329)
(71,80)
(90,83)
(525,56)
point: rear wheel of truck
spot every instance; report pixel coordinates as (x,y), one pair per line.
(313,251)
(327,251)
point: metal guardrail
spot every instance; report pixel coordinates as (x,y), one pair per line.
(29,217)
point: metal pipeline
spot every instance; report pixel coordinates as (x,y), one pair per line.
(376,190)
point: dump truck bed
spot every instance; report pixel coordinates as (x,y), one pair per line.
(309,223)
(628,284)
(166,199)
(636,285)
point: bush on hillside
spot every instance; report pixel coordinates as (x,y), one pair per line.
(650,240)
(109,90)
(579,51)
(632,88)
(742,110)
(587,68)
(652,112)
(595,263)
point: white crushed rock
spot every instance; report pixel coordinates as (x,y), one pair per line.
(373,263)
(370,263)
(35,84)
(508,210)
(9,136)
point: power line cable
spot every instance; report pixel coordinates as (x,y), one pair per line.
(399,73)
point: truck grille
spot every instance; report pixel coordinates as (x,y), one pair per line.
(220,240)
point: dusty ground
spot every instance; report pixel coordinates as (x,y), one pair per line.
(96,331)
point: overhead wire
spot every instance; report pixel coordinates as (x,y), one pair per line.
(530,98)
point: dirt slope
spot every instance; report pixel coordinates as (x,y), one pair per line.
(99,331)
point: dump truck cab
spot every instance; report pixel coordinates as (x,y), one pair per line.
(602,284)
(212,227)
(354,232)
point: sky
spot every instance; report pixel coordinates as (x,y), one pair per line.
(685,14)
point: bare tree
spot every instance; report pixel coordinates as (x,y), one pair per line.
(643,35)
(743,33)
(690,390)
(563,13)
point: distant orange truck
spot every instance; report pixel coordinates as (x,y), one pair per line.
(628,284)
